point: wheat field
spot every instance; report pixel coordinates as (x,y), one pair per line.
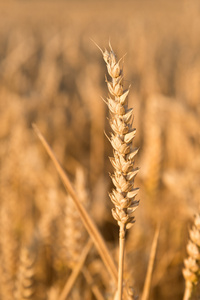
(53,75)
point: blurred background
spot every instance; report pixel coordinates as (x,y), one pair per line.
(52,74)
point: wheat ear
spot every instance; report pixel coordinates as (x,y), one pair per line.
(192,267)
(123,196)
(8,249)
(75,233)
(24,284)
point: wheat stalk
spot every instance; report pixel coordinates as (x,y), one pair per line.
(147,283)
(192,268)
(123,196)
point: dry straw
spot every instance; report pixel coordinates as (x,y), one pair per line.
(192,268)
(85,217)
(123,195)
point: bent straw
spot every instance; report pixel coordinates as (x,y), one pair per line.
(87,220)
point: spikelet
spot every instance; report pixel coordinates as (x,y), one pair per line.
(123,196)
(191,271)
(75,234)
(25,278)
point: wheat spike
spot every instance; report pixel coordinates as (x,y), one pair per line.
(8,247)
(75,233)
(123,196)
(191,270)
(25,278)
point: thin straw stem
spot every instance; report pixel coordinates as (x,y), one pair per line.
(87,220)
(147,284)
(188,292)
(121,260)
(92,284)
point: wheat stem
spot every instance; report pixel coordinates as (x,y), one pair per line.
(96,291)
(147,284)
(188,292)
(121,260)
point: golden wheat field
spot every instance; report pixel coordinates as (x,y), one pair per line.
(52,75)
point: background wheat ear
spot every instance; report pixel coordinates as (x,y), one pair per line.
(25,276)
(76,238)
(75,233)
(8,252)
(192,262)
(121,117)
